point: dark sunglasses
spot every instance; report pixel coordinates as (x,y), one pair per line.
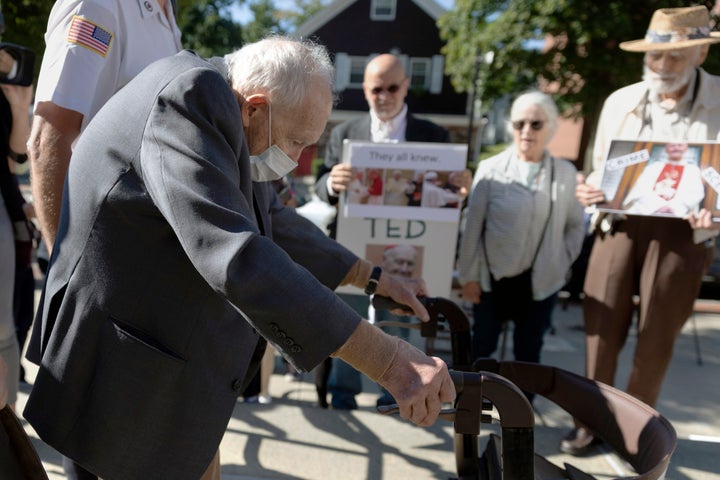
(535,124)
(390,89)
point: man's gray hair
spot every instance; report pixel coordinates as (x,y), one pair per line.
(280,67)
(542,100)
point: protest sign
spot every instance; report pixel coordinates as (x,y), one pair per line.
(402,208)
(669,179)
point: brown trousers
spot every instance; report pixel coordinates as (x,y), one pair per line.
(656,259)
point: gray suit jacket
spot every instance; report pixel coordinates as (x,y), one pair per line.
(168,263)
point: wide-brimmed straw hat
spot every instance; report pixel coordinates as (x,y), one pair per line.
(672,28)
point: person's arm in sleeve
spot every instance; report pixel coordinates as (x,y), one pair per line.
(588,190)
(333,264)
(575,228)
(69,83)
(190,154)
(471,257)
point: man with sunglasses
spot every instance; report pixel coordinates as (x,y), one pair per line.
(660,259)
(385,85)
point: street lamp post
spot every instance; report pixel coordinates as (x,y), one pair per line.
(479,60)
(476,74)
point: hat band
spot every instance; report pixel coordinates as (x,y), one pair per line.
(673,36)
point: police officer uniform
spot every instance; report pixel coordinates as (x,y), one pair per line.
(95,47)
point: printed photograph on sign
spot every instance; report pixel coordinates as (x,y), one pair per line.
(398,259)
(410,180)
(669,179)
(404,188)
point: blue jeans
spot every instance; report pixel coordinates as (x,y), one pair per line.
(528,333)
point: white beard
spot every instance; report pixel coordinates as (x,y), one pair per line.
(662,84)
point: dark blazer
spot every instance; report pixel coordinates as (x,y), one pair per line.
(417,130)
(168,263)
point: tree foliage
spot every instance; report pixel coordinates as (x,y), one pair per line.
(302,11)
(266,20)
(580,54)
(207,26)
(25,24)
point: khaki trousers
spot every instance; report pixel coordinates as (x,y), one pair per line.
(656,259)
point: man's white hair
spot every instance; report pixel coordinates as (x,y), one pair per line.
(280,67)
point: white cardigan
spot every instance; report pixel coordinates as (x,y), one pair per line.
(514,216)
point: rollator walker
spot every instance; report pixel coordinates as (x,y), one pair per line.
(634,430)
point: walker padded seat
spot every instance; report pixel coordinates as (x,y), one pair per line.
(636,431)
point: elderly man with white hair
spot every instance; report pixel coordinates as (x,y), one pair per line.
(189,263)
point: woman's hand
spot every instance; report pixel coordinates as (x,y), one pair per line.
(471,292)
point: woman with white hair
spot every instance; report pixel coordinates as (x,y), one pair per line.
(523,231)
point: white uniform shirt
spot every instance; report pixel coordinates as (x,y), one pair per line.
(95,47)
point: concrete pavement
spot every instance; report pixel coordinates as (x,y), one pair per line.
(293,439)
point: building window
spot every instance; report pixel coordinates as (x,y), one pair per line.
(419,70)
(357,71)
(383,10)
(426,74)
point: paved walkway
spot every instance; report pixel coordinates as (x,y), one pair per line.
(293,439)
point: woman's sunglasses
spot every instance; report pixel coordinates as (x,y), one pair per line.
(535,124)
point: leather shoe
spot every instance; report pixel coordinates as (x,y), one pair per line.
(578,442)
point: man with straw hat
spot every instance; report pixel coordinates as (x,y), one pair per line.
(660,259)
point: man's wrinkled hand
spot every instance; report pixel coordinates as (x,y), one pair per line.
(420,384)
(404,291)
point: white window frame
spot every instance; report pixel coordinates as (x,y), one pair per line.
(378,10)
(356,66)
(426,63)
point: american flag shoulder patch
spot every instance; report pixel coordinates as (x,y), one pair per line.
(85,33)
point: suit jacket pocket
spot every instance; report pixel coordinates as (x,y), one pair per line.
(131,395)
(137,334)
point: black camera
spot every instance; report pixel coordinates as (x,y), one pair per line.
(16,64)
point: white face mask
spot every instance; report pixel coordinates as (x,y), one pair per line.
(272,163)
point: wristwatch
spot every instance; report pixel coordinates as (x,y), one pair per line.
(373,280)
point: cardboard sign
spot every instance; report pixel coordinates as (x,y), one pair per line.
(665,179)
(402,211)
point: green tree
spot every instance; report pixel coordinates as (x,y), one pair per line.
(266,20)
(580,51)
(25,24)
(207,26)
(300,13)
